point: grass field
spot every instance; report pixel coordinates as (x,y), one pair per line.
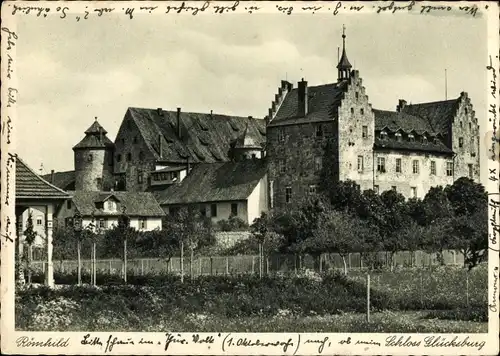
(401,301)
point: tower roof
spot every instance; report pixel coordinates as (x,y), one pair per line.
(247,140)
(344,62)
(95,137)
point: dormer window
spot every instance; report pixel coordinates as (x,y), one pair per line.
(411,138)
(424,140)
(383,135)
(399,137)
(110,205)
(281,135)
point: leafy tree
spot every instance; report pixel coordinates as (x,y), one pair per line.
(436,237)
(466,197)
(267,239)
(161,243)
(340,233)
(234,223)
(30,236)
(436,206)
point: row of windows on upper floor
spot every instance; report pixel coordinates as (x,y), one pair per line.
(104,223)
(129,157)
(415,166)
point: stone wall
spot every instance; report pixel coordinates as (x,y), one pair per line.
(299,151)
(93,169)
(465,128)
(130,141)
(227,239)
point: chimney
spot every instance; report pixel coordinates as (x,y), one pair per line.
(160,146)
(52,176)
(401,105)
(159,111)
(179,133)
(303,98)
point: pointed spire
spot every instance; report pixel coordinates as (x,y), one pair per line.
(343,66)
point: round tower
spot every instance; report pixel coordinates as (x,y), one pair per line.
(94,160)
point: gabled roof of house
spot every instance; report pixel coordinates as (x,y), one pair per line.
(395,121)
(141,204)
(205,138)
(430,146)
(323,103)
(30,185)
(229,181)
(439,114)
(63,180)
(247,140)
(95,137)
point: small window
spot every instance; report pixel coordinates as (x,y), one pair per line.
(90,157)
(471,171)
(398,165)
(376,189)
(470,126)
(362,111)
(399,137)
(282,165)
(118,157)
(103,223)
(319,131)
(135,139)
(254,156)
(318,164)
(364,132)
(111,205)
(357,96)
(449,169)
(466,111)
(461,124)
(234,209)
(140,177)
(173,175)
(203,210)
(352,111)
(381,164)
(460,142)
(68,204)
(360,164)
(99,183)
(129,157)
(383,135)
(411,138)
(288,194)
(415,167)
(281,135)
(424,140)
(413,192)
(472,146)
(39,221)
(123,141)
(433,168)
(142,223)
(312,189)
(141,155)
(213,210)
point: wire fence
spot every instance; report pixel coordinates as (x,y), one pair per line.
(251,264)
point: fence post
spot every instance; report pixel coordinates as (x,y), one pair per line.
(253,264)
(267,265)
(227,265)
(211,266)
(171,265)
(199,261)
(349,259)
(467,287)
(110,268)
(368,297)
(142,267)
(62,266)
(295,263)
(421,290)
(320,263)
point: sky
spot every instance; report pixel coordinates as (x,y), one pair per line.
(71,72)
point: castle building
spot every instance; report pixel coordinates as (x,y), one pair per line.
(311,133)
(409,150)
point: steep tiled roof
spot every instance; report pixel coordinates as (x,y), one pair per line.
(30,185)
(95,137)
(227,181)
(395,121)
(136,203)
(323,103)
(392,144)
(64,180)
(439,114)
(246,140)
(205,138)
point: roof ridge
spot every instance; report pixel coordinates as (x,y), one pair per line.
(435,102)
(200,113)
(38,176)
